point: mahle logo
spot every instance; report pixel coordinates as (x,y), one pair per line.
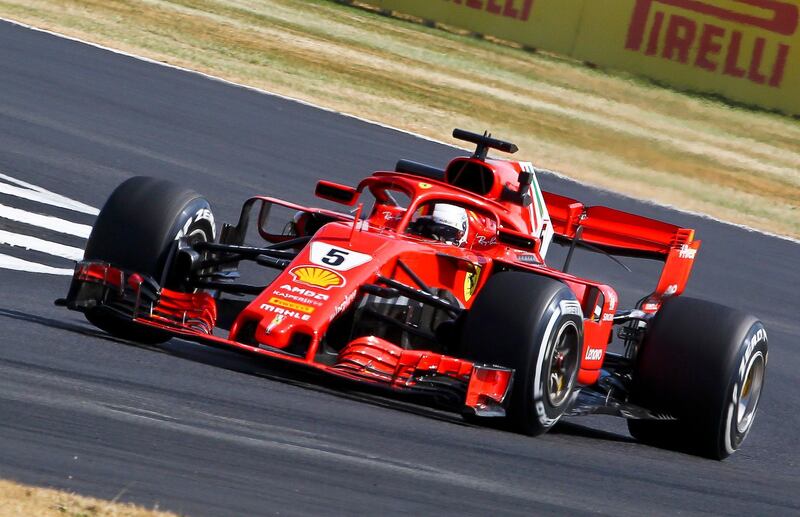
(745,39)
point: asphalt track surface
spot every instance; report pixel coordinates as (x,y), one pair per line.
(206,432)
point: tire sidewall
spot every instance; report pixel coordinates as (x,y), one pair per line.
(539,413)
(195,215)
(754,347)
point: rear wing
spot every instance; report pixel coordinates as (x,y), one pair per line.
(622,233)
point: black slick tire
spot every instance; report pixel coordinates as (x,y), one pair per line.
(534,325)
(136,230)
(704,364)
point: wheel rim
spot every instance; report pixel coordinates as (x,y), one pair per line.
(197,235)
(562,365)
(175,279)
(749,393)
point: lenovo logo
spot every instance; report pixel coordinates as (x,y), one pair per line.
(748,39)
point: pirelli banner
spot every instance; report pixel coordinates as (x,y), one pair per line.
(745,50)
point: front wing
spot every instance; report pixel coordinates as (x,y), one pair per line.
(477,389)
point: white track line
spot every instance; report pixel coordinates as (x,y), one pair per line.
(38,194)
(8,262)
(379,124)
(18,188)
(34,244)
(45,221)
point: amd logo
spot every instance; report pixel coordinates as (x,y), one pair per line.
(308,293)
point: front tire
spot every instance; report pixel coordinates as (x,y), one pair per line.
(137,230)
(704,364)
(534,325)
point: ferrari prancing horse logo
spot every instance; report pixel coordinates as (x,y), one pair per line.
(471,280)
(277,320)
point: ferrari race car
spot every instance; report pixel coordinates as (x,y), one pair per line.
(435,283)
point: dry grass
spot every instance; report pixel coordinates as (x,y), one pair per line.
(613,131)
(25,501)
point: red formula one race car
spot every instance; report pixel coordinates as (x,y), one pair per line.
(436,283)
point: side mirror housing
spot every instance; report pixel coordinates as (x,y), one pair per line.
(336,192)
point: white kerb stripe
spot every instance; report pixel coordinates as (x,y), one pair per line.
(32,243)
(7,262)
(31,192)
(45,221)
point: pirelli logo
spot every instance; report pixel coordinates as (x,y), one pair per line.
(286,304)
(745,39)
(514,9)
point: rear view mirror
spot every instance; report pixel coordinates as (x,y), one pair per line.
(336,193)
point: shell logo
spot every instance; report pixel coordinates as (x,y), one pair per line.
(317,277)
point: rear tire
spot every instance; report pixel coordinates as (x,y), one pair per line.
(704,364)
(137,230)
(534,325)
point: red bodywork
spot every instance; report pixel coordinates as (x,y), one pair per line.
(290,318)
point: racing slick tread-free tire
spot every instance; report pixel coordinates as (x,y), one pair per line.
(703,364)
(532,324)
(136,230)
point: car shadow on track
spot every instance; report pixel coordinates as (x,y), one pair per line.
(83,330)
(570,428)
(240,362)
(295,375)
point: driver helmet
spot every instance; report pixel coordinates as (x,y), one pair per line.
(450,224)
